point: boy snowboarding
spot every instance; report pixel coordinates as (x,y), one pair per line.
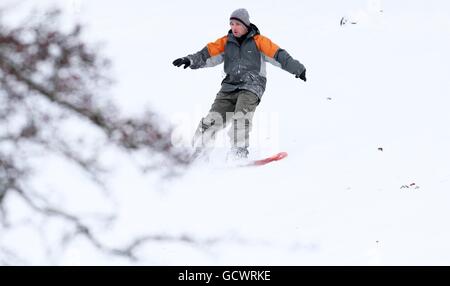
(244,52)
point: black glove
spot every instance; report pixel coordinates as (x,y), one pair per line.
(302,76)
(182,61)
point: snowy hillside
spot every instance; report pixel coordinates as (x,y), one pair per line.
(367,179)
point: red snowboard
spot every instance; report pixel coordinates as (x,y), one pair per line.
(267,160)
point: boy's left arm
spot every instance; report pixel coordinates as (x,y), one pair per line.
(279,57)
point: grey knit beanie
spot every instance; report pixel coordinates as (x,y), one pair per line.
(242,16)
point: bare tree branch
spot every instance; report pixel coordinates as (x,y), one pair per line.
(9,258)
(128,251)
(49,77)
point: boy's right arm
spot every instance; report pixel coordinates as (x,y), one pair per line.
(211,55)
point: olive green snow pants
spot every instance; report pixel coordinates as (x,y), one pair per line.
(238,107)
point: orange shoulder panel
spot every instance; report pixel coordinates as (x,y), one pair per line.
(266,46)
(217,47)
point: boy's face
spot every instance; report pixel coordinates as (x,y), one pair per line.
(237,28)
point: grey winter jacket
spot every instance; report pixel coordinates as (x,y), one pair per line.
(245,64)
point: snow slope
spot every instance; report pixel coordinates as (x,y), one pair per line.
(338,199)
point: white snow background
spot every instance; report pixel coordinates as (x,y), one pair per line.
(337,199)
